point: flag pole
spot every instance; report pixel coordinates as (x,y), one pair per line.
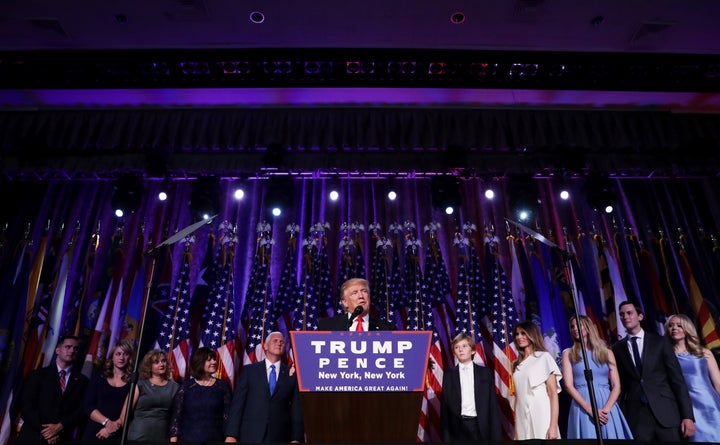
(153,253)
(576,314)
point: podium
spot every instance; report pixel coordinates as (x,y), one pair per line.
(361,386)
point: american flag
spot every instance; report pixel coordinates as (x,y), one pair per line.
(469,296)
(258,298)
(175,328)
(412,277)
(433,291)
(352,262)
(219,331)
(396,296)
(288,292)
(504,318)
(307,307)
(380,271)
(322,270)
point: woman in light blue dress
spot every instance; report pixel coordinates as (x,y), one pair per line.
(606,383)
(701,375)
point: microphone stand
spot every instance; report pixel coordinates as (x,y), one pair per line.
(130,406)
(565,254)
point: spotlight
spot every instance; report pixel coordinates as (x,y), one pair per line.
(564,195)
(334,195)
(600,192)
(523,197)
(279,194)
(238,194)
(445,193)
(205,197)
(392,195)
(128,194)
(162,196)
(489,193)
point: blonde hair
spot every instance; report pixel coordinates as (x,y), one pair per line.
(108,365)
(692,340)
(592,340)
(534,337)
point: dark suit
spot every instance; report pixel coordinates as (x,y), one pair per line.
(340,323)
(662,385)
(42,402)
(256,416)
(486,406)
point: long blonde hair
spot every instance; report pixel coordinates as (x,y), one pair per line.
(592,340)
(534,336)
(692,340)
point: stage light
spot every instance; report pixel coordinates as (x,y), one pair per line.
(279,194)
(600,192)
(489,193)
(392,195)
(564,195)
(238,194)
(334,195)
(523,196)
(445,193)
(162,196)
(205,197)
(127,196)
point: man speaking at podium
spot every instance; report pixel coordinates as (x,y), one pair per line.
(355,299)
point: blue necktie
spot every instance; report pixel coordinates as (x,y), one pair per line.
(273,379)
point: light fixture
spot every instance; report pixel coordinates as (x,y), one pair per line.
(127,195)
(445,193)
(600,192)
(205,197)
(278,194)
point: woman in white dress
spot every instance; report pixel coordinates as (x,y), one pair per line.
(536,378)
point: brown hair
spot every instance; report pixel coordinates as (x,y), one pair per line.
(463,336)
(150,359)
(534,337)
(198,359)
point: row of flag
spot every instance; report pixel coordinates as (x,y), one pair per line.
(69,291)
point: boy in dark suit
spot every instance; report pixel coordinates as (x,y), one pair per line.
(469,407)
(654,398)
(52,398)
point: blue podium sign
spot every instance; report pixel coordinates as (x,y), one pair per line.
(376,361)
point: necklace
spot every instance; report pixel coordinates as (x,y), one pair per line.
(208,382)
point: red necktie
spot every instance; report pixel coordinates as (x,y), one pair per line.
(62,381)
(359,327)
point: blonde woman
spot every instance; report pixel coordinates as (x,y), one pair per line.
(153,399)
(606,382)
(701,375)
(536,377)
(106,394)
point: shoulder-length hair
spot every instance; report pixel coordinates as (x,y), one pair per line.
(534,337)
(127,347)
(594,342)
(198,359)
(692,340)
(152,357)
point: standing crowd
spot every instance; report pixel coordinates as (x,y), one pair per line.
(645,387)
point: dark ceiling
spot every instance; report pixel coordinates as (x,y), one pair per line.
(655,54)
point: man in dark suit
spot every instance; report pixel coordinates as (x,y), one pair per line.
(469,408)
(52,397)
(654,396)
(266,404)
(355,299)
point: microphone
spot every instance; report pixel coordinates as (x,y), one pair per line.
(357,311)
